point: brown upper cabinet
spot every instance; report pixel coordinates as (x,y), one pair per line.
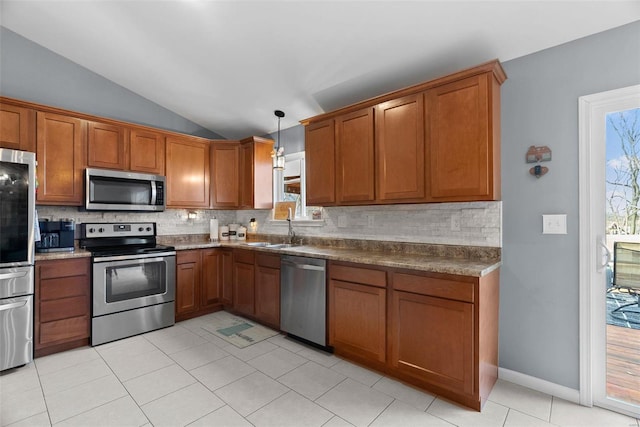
(355,157)
(320,163)
(61,153)
(256,173)
(113,146)
(242,174)
(400,170)
(438,141)
(187,164)
(106,146)
(463,139)
(225,174)
(17,128)
(146,151)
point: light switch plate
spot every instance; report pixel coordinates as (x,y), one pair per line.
(554,224)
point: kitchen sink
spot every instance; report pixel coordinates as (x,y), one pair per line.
(268,245)
(258,244)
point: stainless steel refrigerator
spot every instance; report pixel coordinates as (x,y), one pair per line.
(17,211)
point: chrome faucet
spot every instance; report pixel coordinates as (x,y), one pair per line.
(291,234)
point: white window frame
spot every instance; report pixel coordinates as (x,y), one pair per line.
(278,184)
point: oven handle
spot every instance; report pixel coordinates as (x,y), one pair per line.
(157,255)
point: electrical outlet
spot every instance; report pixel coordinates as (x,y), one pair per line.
(455,222)
(370,221)
(342,221)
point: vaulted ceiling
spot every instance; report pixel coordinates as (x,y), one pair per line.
(227,65)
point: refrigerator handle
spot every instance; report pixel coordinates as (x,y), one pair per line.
(9,306)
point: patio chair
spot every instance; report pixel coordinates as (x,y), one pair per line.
(626,276)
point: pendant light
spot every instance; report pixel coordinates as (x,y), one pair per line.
(278,152)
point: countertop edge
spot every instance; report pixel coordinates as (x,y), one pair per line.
(455,266)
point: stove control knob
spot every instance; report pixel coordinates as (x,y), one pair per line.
(92,230)
(100,230)
(140,229)
(148,228)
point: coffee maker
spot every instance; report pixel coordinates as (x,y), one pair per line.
(56,236)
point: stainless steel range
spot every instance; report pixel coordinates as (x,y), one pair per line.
(133,280)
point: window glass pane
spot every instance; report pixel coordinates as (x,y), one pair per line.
(290,185)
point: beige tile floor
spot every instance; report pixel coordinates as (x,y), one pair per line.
(184,375)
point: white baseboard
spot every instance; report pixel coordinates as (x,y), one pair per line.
(540,385)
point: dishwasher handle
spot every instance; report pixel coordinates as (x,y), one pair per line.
(303,266)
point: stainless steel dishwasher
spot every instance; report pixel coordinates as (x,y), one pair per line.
(303,298)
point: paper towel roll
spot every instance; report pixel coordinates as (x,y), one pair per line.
(213,229)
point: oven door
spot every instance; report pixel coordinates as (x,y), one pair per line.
(123,283)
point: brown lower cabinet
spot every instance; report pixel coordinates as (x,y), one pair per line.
(227,277)
(199,276)
(437,331)
(62,305)
(357,312)
(243,282)
(256,286)
(267,289)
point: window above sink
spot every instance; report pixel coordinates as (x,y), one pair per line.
(290,186)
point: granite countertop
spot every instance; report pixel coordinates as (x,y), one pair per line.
(77,253)
(460,260)
(465,261)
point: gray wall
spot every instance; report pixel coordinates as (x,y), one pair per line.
(291,139)
(539,279)
(33,73)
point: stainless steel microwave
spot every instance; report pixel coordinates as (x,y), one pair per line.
(111,190)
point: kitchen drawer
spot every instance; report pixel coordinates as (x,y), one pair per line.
(185,257)
(366,276)
(64,330)
(64,308)
(63,268)
(57,288)
(268,260)
(442,288)
(243,256)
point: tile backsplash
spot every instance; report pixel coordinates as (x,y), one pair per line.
(467,223)
(169,222)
